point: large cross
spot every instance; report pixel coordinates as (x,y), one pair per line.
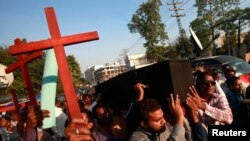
(57,42)
(23,60)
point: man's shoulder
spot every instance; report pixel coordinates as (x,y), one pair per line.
(139,135)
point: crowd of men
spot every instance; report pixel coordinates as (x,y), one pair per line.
(212,100)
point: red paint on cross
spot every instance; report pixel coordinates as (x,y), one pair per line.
(18,113)
(57,42)
(23,60)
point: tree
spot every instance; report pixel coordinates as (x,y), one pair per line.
(171,52)
(213,16)
(247,39)
(178,46)
(147,22)
(35,69)
(74,68)
(156,53)
(201,29)
(214,8)
(6,59)
(237,21)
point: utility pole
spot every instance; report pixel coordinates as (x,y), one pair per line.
(124,54)
(181,30)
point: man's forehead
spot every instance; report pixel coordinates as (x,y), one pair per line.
(156,114)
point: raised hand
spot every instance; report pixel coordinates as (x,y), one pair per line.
(192,110)
(176,109)
(139,87)
(78,131)
(35,116)
(194,100)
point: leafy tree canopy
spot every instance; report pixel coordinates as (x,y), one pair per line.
(147,22)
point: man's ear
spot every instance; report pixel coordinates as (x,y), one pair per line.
(143,124)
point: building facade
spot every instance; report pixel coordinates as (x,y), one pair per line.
(109,71)
(90,74)
(101,73)
(136,61)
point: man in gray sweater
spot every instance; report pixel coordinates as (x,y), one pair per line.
(154,127)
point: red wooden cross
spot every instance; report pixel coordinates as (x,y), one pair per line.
(57,42)
(6,108)
(23,60)
(17,110)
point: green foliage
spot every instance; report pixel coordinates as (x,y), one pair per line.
(156,53)
(6,58)
(247,39)
(216,15)
(171,52)
(215,7)
(75,69)
(35,69)
(147,22)
(234,17)
(76,74)
(202,31)
(176,49)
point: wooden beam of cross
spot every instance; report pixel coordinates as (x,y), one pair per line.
(12,107)
(57,42)
(23,60)
(17,110)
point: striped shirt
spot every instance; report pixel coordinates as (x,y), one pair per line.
(217,112)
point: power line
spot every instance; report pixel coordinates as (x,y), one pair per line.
(177,15)
(181,30)
(186,11)
(184,3)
